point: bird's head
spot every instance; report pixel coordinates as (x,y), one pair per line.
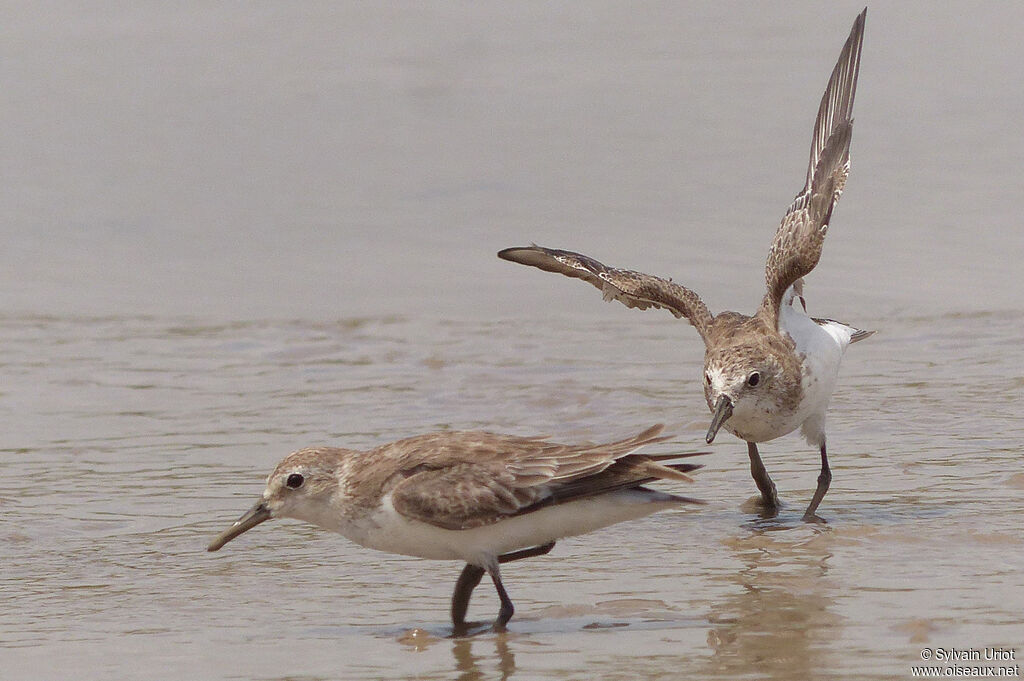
(301,487)
(745,384)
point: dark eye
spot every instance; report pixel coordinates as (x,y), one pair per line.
(753,379)
(295,480)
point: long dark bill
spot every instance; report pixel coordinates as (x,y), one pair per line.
(723,410)
(250,519)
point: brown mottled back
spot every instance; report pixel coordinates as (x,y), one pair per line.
(464,479)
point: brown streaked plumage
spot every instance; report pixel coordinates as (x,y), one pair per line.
(632,289)
(482,498)
(771,373)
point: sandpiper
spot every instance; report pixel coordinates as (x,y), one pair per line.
(477,497)
(768,374)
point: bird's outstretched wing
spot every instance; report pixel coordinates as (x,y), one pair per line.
(487,477)
(632,289)
(797,246)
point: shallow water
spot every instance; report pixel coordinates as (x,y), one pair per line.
(233,235)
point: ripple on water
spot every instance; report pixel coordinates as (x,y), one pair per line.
(139,438)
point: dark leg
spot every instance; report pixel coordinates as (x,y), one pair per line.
(824,480)
(471,576)
(507,609)
(764,483)
(542,550)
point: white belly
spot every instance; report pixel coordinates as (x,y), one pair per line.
(821,349)
(387,530)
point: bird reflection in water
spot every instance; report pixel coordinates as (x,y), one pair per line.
(779,621)
(470,665)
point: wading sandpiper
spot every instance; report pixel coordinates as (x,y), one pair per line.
(476,497)
(768,374)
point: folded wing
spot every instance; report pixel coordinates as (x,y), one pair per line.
(474,493)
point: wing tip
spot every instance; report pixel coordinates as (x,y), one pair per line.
(507,253)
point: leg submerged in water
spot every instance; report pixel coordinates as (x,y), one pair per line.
(769,495)
(824,480)
(470,578)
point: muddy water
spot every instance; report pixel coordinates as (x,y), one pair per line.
(137,439)
(232,235)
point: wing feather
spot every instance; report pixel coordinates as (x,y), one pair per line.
(798,242)
(632,289)
(464,492)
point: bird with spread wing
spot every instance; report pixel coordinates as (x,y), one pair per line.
(770,373)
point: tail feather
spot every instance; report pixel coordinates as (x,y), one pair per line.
(855,333)
(651,467)
(669,457)
(660,496)
(684,467)
(628,473)
(860,335)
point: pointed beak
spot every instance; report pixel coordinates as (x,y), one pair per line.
(250,519)
(723,410)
